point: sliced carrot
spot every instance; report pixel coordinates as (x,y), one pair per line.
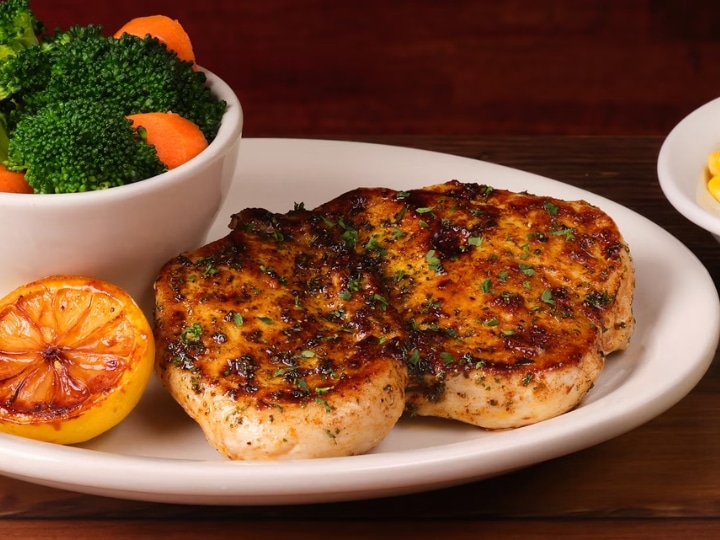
(168,31)
(175,138)
(13,182)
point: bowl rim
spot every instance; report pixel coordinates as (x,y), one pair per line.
(683,139)
(230,130)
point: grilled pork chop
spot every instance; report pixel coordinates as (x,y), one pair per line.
(512,300)
(276,342)
(457,300)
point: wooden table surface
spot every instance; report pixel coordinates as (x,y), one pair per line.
(661,480)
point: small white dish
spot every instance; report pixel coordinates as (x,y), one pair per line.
(159,454)
(681,166)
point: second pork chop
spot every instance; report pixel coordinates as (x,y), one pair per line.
(512,300)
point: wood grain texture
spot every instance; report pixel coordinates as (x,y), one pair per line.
(310,530)
(473,67)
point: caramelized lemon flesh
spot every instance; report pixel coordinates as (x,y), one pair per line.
(76,354)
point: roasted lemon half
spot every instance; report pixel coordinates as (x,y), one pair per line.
(76,354)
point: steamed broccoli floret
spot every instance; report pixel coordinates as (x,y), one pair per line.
(19,32)
(64,98)
(26,74)
(19,28)
(80,145)
(138,74)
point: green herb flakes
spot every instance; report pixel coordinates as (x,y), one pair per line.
(550,208)
(475,241)
(547,297)
(433,261)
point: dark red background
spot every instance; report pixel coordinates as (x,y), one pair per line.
(334,67)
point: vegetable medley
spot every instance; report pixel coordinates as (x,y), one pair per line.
(81,110)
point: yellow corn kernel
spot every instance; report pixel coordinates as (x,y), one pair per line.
(713,186)
(713,163)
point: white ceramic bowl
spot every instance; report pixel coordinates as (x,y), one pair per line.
(681,166)
(122,234)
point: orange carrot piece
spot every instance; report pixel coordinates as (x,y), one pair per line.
(175,138)
(168,31)
(13,182)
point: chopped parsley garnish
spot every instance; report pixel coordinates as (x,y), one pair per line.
(325,404)
(433,261)
(551,208)
(567,232)
(447,358)
(192,333)
(547,297)
(475,241)
(527,269)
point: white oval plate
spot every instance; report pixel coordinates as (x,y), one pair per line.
(158,454)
